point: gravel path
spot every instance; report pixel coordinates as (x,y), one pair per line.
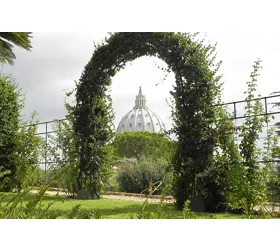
(116,197)
(134,198)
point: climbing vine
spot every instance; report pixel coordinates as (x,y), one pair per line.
(197,85)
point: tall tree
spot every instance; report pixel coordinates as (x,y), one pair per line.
(7,42)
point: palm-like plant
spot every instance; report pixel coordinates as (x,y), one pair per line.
(7,42)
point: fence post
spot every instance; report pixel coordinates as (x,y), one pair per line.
(46,151)
(234,109)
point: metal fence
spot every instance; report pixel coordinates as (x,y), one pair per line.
(237,109)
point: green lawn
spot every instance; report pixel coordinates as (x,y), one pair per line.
(109,208)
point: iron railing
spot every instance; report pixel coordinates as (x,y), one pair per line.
(46,131)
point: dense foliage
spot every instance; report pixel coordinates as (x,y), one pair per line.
(138,176)
(10,104)
(61,151)
(194,94)
(214,180)
(248,183)
(144,144)
(145,158)
(19,146)
(237,178)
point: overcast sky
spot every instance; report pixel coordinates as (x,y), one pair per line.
(57,59)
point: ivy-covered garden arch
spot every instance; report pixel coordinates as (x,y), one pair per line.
(194,95)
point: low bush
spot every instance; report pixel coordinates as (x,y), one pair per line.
(136,176)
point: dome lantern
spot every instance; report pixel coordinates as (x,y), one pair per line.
(140,100)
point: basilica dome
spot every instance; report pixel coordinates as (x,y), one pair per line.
(140,118)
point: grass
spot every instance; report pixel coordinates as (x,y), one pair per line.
(111,208)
